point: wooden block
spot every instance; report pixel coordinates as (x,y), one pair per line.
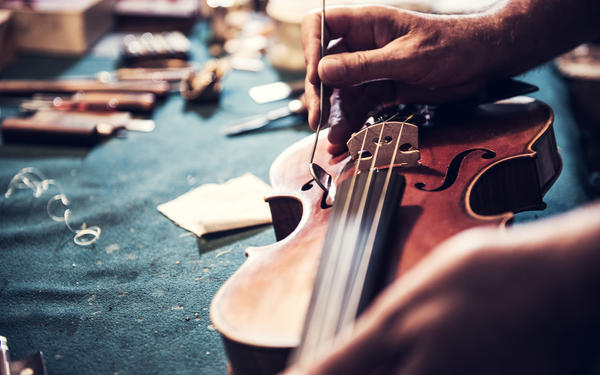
(65,27)
(156,15)
(7,51)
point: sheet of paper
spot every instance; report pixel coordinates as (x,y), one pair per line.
(210,208)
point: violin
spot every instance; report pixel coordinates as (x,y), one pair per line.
(400,191)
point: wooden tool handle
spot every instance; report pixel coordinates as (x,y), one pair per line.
(28,86)
(139,102)
(56,129)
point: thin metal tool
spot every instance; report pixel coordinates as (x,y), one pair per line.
(4,357)
(294,107)
(316,171)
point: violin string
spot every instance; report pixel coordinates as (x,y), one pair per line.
(353,239)
(356,231)
(343,266)
(351,235)
(310,345)
(391,117)
(349,318)
(322,300)
(316,335)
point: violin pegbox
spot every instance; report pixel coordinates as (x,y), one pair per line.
(394,144)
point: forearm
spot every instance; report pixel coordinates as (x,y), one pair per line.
(576,253)
(567,249)
(578,249)
(526,33)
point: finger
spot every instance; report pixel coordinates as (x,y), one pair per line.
(311,42)
(311,97)
(336,47)
(366,27)
(350,108)
(313,100)
(337,149)
(353,68)
(313,88)
(356,25)
(327,92)
(347,116)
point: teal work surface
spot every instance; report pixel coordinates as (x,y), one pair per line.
(136,301)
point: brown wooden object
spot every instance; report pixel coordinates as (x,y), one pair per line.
(60,27)
(7,50)
(86,85)
(476,169)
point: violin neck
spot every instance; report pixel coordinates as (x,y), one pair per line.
(354,245)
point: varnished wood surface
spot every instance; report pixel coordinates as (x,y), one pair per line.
(263,304)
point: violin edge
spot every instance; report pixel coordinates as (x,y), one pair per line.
(545,153)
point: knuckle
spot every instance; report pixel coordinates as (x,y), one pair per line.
(362,64)
(308,17)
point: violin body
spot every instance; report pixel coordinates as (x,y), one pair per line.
(475,169)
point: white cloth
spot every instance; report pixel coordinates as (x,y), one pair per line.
(210,208)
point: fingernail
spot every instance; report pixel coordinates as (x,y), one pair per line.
(332,69)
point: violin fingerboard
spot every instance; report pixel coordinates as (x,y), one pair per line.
(353,248)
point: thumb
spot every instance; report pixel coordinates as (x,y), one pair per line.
(353,68)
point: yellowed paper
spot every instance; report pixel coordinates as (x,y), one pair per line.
(210,208)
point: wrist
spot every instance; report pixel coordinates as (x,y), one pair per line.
(523,34)
(498,37)
(476,39)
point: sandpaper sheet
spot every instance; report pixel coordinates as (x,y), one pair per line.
(210,208)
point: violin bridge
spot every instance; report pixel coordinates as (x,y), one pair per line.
(394,143)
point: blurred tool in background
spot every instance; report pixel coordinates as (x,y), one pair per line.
(581,70)
(92,101)
(294,107)
(80,129)
(32,365)
(155,46)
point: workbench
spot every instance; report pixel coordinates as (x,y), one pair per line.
(137,301)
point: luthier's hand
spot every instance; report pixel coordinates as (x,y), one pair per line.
(521,301)
(387,55)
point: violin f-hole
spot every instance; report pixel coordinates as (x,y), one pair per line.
(309,185)
(454,167)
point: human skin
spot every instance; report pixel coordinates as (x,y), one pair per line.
(388,55)
(522,300)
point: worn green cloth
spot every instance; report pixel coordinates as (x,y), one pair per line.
(137,301)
